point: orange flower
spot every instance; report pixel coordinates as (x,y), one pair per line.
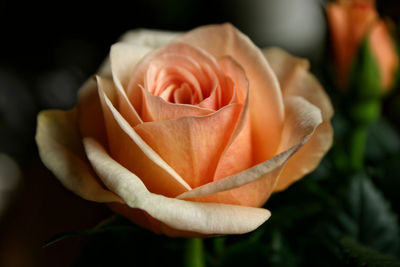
(350,23)
(189,135)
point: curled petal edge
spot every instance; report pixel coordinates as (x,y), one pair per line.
(150,38)
(148,151)
(61,152)
(204,218)
(123,58)
(244,177)
(307,120)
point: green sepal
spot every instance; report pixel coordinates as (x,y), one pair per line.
(365,80)
(365,91)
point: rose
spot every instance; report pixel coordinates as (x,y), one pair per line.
(189,134)
(351,22)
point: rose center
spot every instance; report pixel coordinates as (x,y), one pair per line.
(180,85)
(182,74)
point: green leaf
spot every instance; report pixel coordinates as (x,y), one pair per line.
(386,175)
(301,202)
(112,223)
(382,141)
(356,254)
(264,247)
(367,216)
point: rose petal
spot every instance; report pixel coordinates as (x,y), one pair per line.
(309,156)
(297,81)
(302,118)
(238,154)
(193,145)
(240,144)
(222,40)
(149,38)
(142,37)
(237,74)
(304,84)
(157,109)
(90,116)
(180,66)
(204,218)
(128,148)
(198,62)
(283,64)
(244,177)
(61,151)
(124,58)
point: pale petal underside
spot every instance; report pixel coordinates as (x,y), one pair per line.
(61,150)
(203,218)
(302,118)
(132,152)
(298,82)
(149,38)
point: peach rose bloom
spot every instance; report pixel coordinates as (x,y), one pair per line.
(189,134)
(350,22)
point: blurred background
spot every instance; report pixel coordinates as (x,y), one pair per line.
(48,49)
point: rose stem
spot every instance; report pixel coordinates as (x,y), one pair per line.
(194,253)
(357,146)
(364,113)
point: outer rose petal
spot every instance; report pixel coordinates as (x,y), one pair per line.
(192,145)
(202,218)
(123,59)
(141,37)
(149,38)
(126,146)
(221,40)
(283,64)
(308,157)
(301,121)
(89,114)
(271,167)
(61,150)
(297,81)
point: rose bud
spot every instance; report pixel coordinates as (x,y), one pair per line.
(189,135)
(353,24)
